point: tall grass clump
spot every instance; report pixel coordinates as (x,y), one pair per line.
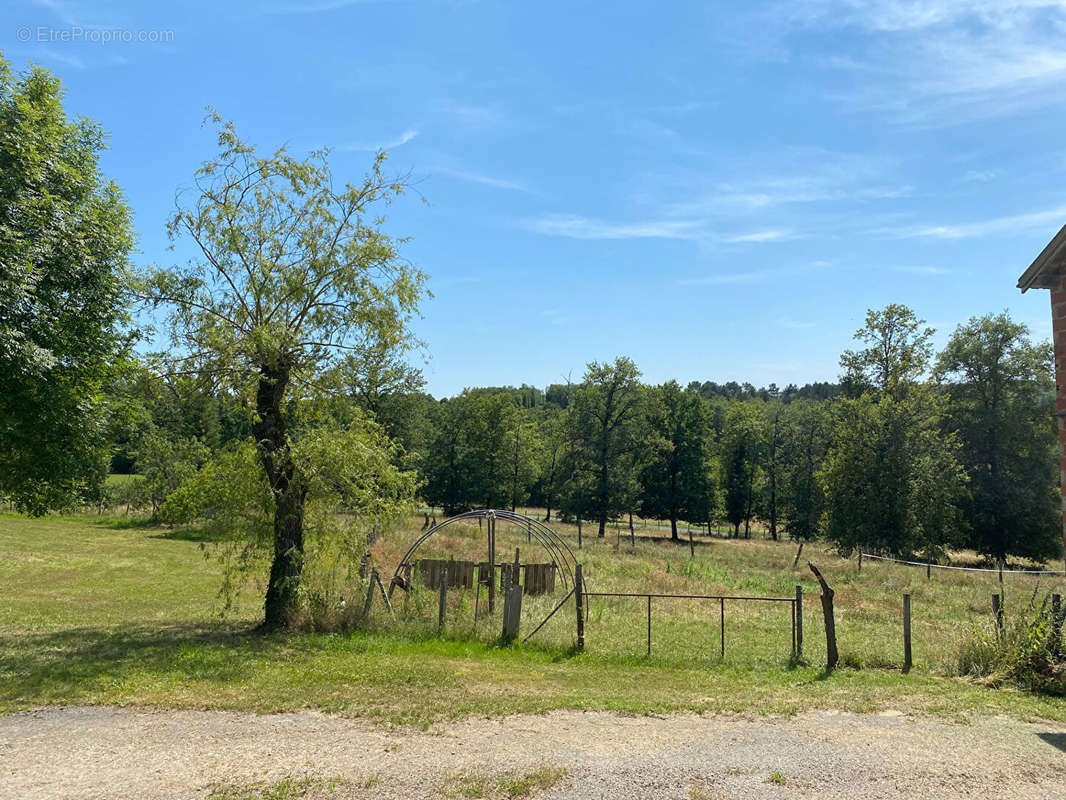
(1027,653)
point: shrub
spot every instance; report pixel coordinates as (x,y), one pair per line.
(1028,653)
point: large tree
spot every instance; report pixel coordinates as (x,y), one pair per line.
(292,271)
(806,439)
(1001,406)
(892,479)
(606,423)
(743,448)
(65,239)
(676,482)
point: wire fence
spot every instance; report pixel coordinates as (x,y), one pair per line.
(930,565)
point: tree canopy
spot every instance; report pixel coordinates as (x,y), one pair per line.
(65,240)
(294,272)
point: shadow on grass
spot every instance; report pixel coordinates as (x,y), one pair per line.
(158,530)
(77,664)
(193,533)
(123,523)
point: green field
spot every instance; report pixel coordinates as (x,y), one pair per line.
(112,611)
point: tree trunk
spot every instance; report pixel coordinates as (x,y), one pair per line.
(281,606)
(673,526)
(831,656)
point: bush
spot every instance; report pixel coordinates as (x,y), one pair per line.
(1027,654)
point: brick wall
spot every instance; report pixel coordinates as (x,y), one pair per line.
(1058,326)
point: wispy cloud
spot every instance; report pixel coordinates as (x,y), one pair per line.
(759,236)
(391,144)
(473,116)
(77,14)
(755,275)
(479,178)
(1017,223)
(69,59)
(312,6)
(935,62)
(982,175)
(572,226)
(928,271)
(576,227)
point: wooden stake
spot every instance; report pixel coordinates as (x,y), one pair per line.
(579,597)
(907,661)
(492,563)
(799,620)
(369,598)
(443,597)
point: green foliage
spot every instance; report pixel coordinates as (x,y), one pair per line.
(65,239)
(295,274)
(896,355)
(472,456)
(1028,653)
(166,463)
(677,479)
(352,469)
(806,438)
(892,478)
(743,450)
(607,430)
(1001,406)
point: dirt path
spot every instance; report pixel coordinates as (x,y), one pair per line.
(107,753)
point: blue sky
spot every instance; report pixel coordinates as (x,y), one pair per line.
(717,190)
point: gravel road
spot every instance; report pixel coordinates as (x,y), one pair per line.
(110,753)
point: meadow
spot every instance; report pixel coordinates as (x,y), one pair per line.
(114,610)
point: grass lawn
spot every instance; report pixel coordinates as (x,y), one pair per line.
(110,611)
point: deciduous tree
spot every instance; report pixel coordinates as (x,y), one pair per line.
(65,240)
(293,271)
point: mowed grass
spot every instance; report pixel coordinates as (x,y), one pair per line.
(111,611)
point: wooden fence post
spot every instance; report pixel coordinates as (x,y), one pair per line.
(442,606)
(860,559)
(832,656)
(649,625)
(799,621)
(997,613)
(492,563)
(579,596)
(369,597)
(691,545)
(1056,622)
(907,661)
(579,532)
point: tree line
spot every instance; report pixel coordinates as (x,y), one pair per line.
(911,453)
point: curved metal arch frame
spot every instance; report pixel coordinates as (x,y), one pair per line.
(559,550)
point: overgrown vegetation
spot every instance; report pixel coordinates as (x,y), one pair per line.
(1027,653)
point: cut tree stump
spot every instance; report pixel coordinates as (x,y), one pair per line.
(831,655)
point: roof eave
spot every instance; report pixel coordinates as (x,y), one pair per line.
(1051,263)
